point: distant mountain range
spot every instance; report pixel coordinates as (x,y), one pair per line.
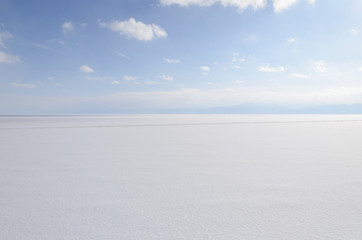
(273,109)
(237,109)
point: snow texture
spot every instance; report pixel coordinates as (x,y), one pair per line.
(181,177)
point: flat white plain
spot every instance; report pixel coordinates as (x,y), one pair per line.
(181,177)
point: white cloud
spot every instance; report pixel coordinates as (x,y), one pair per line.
(292,40)
(205,68)
(67,27)
(22,85)
(237,67)
(152,82)
(158,31)
(235,59)
(268,68)
(86,69)
(360,69)
(238,81)
(3,37)
(298,75)
(243,4)
(354,32)
(281,5)
(137,30)
(7,58)
(172,60)
(319,66)
(115,83)
(240,4)
(122,55)
(165,77)
(129,78)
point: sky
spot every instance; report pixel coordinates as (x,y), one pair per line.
(138,56)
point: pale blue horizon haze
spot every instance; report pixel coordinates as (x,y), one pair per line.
(169,56)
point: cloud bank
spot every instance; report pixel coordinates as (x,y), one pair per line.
(189,98)
(278,5)
(240,4)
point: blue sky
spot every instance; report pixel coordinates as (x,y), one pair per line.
(153,56)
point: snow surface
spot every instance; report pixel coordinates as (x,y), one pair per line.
(181,177)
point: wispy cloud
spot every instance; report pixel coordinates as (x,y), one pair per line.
(319,66)
(42,46)
(311,2)
(298,75)
(135,29)
(67,27)
(268,68)
(292,40)
(22,85)
(353,31)
(238,81)
(86,69)
(7,58)
(237,67)
(4,36)
(152,82)
(252,38)
(205,68)
(237,59)
(129,78)
(122,55)
(115,83)
(165,77)
(172,60)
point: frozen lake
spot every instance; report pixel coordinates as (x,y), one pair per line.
(181,177)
